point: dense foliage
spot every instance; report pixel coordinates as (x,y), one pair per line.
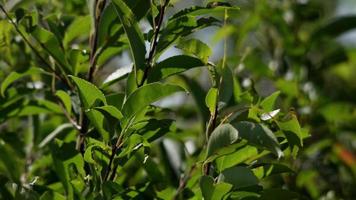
(220,100)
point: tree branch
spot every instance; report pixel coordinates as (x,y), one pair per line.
(145,75)
(93,40)
(154,43)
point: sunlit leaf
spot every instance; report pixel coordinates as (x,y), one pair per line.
(211,99)
(222,136)
(196,48)
(237,157)
(146,95)
(88,92)
(197,10)
(134,34)
(292,130)
(268,103)
(173,65)
(78,28)
(259,135)
(52,46)
(213,191)
(66,100)
(110,110)
(180,27)
(238,176)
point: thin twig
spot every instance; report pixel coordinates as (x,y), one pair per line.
(154,43)
(148,66)
(213,119)
(112,156)
(99,7)
(183,181)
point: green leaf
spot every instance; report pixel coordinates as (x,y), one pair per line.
(131,84)
(134,34)
(52,46)
(288,87)
(139,8)
(54,134)
(51,195)
(131,144)
(116,76)
(78,60)
(254,113)
(110,110)
(237,91)
(211,99)
(195,47)
(34,107)
(223,33)
(10,163)
(116,99)
(227,85)
(336,27)
(78,28)
(112,190)
(66,100)
(268,103)
(154,128)
(13,76)
(259,135)
(198,11)
(173,65)
(225,151)
(88,92)
(239,156)
(146,95)
(244,195)
(97,154)
(106,23)
(199,94)
(181,27)
(292,131)
(103,122)
(153,171)
(238,176)
(213,191)
(269,169)
(111,49)
(65,157)
(272,194)
(222,136)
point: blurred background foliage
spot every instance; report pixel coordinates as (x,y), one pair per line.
(304,48)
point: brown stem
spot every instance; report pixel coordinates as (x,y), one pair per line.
(183,182)
(112,156)
(214,116)
(93,40)
(154,43)
(145,76)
